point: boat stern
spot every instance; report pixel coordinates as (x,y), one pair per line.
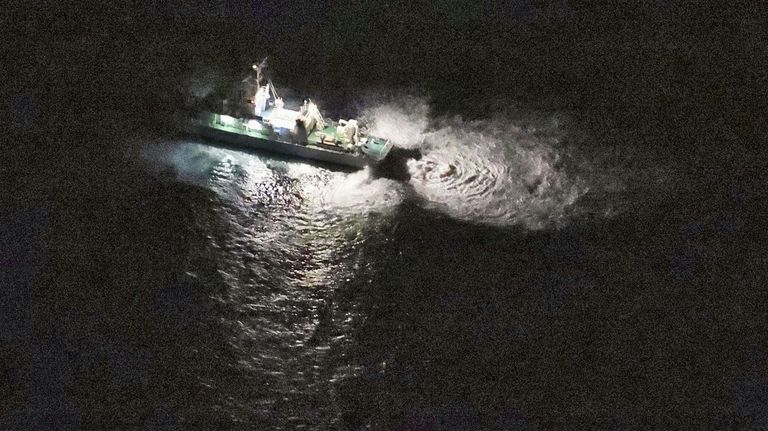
(376,148)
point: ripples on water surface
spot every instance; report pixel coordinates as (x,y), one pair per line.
(283,236)
(503,177)
(294,246)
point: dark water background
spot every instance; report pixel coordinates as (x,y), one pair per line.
(597,261)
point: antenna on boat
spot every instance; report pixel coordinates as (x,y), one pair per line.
(273,90)
(259,69)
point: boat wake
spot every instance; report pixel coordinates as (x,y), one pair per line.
(497,171)
(290,189)
(513,169)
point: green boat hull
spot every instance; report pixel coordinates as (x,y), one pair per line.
(251,133)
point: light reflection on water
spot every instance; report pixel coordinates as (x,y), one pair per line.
(284,236)
(288,237)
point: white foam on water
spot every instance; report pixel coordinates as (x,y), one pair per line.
(252,178)
(495,171)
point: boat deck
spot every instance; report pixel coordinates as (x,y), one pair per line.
(241,126)
(283,130)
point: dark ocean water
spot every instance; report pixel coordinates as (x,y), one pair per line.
(580,245)
(562,277)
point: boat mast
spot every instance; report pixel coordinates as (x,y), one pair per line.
(258,68)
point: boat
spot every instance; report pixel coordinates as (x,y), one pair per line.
(261,121)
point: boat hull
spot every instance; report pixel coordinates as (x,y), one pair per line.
(275,136)
(297,150)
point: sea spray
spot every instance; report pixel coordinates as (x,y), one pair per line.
(509,169)
(499,171)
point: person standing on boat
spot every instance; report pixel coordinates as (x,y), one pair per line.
(301,131)
(310,117)
(350,131)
